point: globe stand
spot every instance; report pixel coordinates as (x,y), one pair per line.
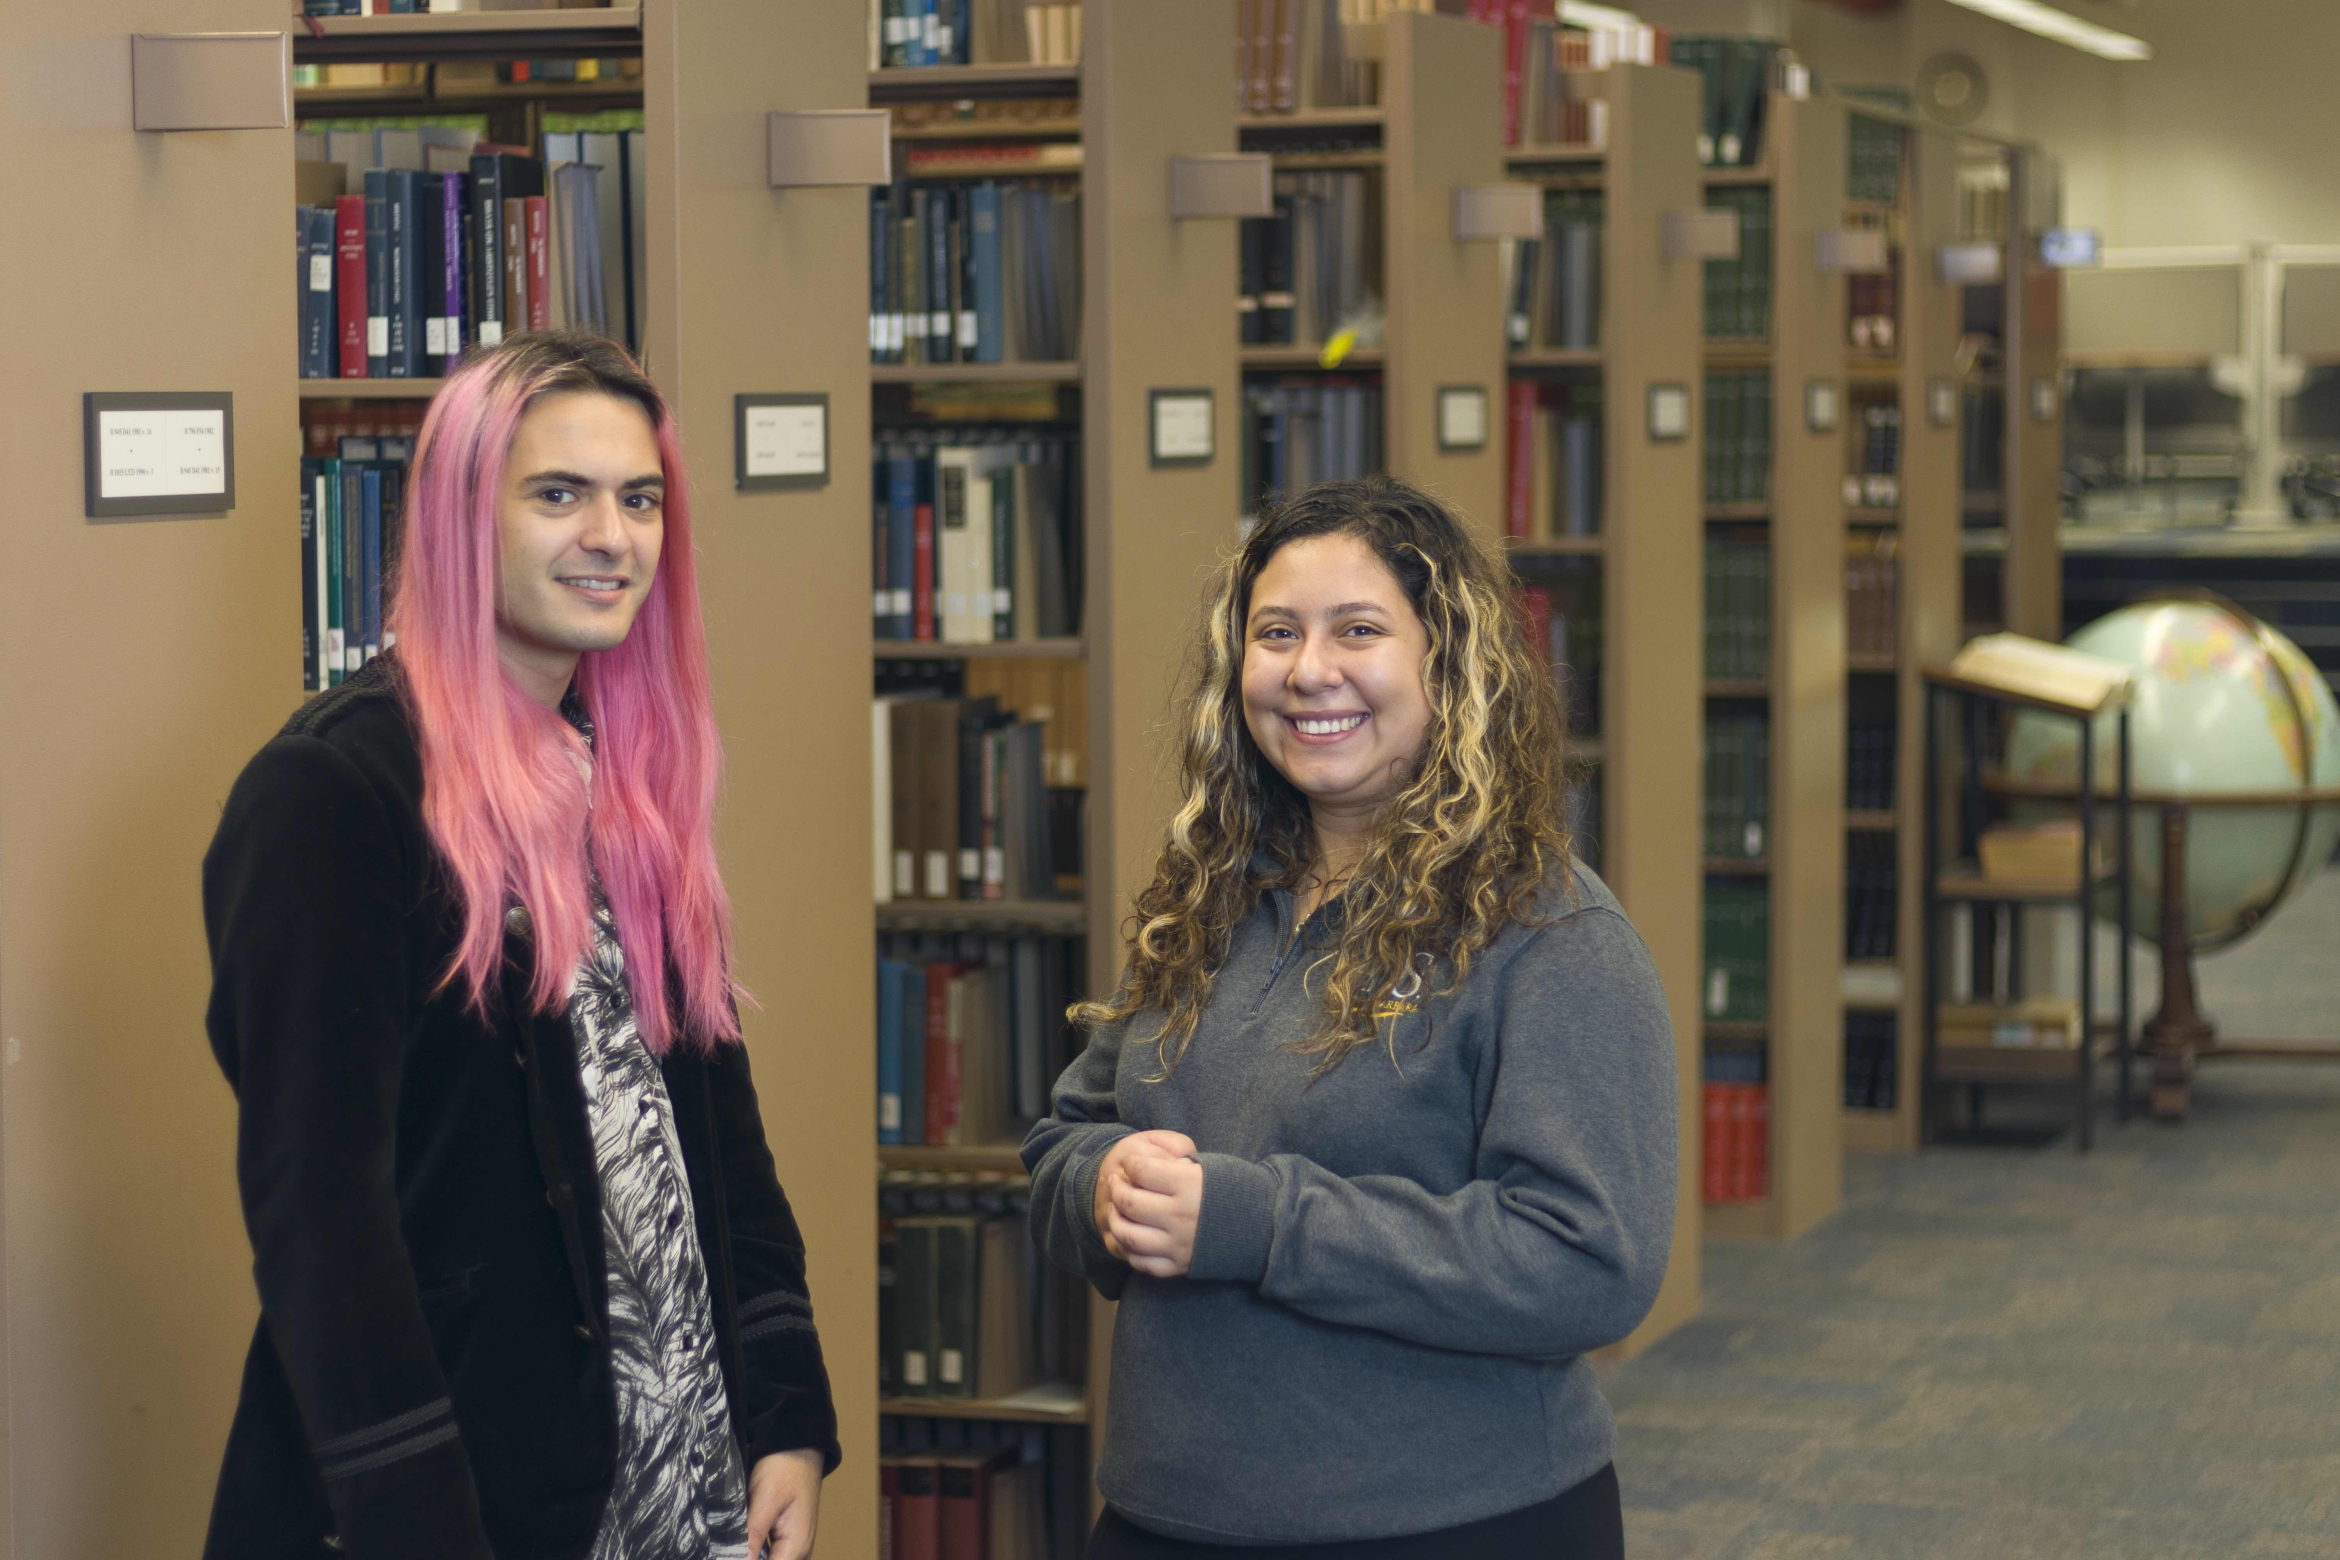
(2181,1036)
(2179,1032)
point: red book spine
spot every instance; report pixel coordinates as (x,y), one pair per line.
(349,282)
(889,1503)
(942,1057)
(918,1514)
(539,262)
(964,1489)
(1742,1187)
(922,572)
(1520,457)
(1515,44)
(1535,610)
(1758,1145)
(1714,1146)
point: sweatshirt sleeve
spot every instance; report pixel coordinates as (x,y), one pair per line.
(304,899)
(1063,1153)
(1558,1243)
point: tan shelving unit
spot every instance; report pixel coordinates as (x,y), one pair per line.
(1923,379)
(1802,1031)
(1648,552)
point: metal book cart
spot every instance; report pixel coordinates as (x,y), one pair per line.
(1970,708)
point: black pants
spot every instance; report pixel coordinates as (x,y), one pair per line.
(1584,1522)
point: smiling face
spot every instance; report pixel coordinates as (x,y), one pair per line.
(580,521)
(1332,675)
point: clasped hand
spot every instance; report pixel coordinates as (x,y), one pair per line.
(1149,1198)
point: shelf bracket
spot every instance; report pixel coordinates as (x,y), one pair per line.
(1230,184)
(1699,235)
(1485,212)
(211,81)
(812,147)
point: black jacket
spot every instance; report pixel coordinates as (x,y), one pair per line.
(430,1377)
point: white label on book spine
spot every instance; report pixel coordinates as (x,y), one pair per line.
(491,332)
(1718,991)
(905,875)
(954,1367)
(877,333)
(995,865)
(320,273)
(938,874)
(435,335)
(881,603)
(970,865)
(913,1367)
(333,651)
(889,1113)
(1003,600)
(938,326)
(900,604)
(377,335)
(967,328)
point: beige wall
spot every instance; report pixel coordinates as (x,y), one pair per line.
(141,662)
(2220,138)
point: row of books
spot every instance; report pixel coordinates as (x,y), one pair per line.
(1739,75)
(1872,161)
(1872,1058)
(1872,304)
(1552,474)
(1875,452)
(975,535)
(400,278)
(1735,1128)
(1559,102)
(980,1489)
(1871,904)
(1570,640)
(1294,54)
(907,34)
(1737,949)
(1871,591)
(1738,785)
(1738,610)
(964,809)
(1313,269)
(983,273)
(1737,292)
(1869,763)
(1301,431)
(1738,438)
(352,503)
(1555,288)
(970,1035)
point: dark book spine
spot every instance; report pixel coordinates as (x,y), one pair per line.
(406,272)
(312,663)
(487,248)
(377,273)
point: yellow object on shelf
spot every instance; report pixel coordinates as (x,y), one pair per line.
(2033,1024)
(2032,852)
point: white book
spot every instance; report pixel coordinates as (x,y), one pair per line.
(962,546)
(881,797)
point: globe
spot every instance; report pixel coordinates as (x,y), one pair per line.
(2223,705)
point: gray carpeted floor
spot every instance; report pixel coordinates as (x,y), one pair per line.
(2023,1353)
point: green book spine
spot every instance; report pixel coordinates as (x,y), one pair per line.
(957,1275)
(914,1254)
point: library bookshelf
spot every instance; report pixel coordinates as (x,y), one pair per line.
(1800,699)
(1641,558)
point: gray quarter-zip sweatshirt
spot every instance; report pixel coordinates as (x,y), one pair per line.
(1398,1267)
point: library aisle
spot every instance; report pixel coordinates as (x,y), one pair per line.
(2026,1351)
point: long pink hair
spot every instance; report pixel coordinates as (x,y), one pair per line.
(503,790)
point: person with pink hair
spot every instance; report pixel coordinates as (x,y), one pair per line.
(529,1287)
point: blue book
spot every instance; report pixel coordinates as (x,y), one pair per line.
(983,244)
(322,361)
(912,1046)
(901,535)
(329,544)
(377,273)
(406,273)
(881,555)
(881,260)
(889,1050)
(370,566)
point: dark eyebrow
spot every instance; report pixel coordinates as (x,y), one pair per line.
(580,480)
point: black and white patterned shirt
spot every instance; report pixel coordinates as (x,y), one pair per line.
(680,1492)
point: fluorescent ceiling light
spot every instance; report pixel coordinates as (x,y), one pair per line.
(1578,13)
(2063,27)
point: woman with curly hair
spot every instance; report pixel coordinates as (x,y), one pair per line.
(1376,1139)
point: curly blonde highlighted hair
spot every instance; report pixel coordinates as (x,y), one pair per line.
(1464,848)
